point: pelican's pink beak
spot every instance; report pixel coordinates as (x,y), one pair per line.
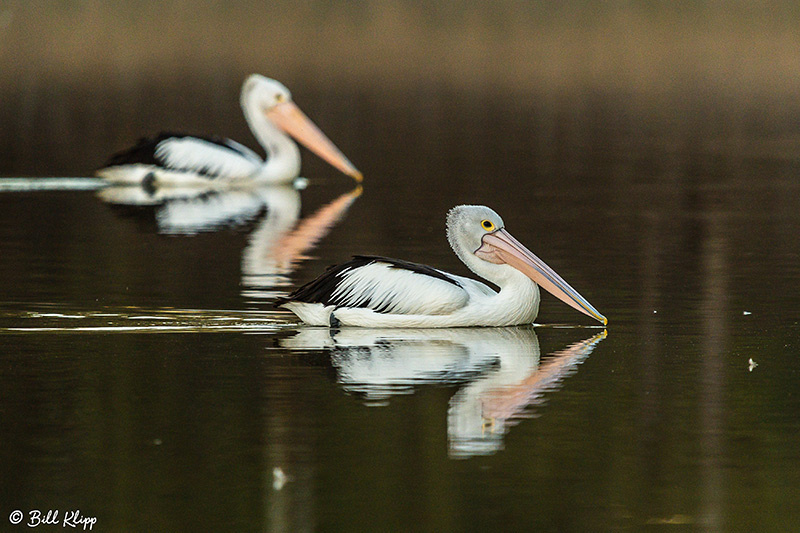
(500,247)
(288,117)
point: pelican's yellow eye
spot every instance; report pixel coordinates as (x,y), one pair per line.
(279,97)
(487,225)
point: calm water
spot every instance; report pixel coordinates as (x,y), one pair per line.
(146,380)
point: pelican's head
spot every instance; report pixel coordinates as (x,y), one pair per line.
(263,92)
(479,238)
(467,224)
(270,98)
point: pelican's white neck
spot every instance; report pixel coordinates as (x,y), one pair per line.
(282,153)
(518,299)
(500,275)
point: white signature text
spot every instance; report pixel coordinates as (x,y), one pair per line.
(54,517)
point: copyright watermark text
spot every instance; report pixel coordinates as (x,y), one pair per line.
(52,517)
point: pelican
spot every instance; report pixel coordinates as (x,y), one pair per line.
(373,291)
(179,159)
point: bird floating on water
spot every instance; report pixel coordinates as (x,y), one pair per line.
(374,291)
(180,159)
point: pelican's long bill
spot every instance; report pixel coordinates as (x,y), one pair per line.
(500,247)
(288,117)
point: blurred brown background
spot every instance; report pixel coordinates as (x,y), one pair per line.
(82,78)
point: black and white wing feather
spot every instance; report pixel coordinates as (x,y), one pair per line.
(207,156)
(386,286)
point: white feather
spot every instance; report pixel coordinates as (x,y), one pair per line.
(189,153)
(312,314)
(398,291)
(517,304)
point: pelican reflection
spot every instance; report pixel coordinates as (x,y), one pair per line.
(498,370)
(194,210)
(278,241)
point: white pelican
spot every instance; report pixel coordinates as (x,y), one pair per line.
(375,291)
(174,158)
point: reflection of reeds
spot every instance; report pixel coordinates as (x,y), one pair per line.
(614,45)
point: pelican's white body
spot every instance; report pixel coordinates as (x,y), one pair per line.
(186,153)
(428,302)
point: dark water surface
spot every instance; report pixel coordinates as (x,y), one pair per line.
(146,380)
